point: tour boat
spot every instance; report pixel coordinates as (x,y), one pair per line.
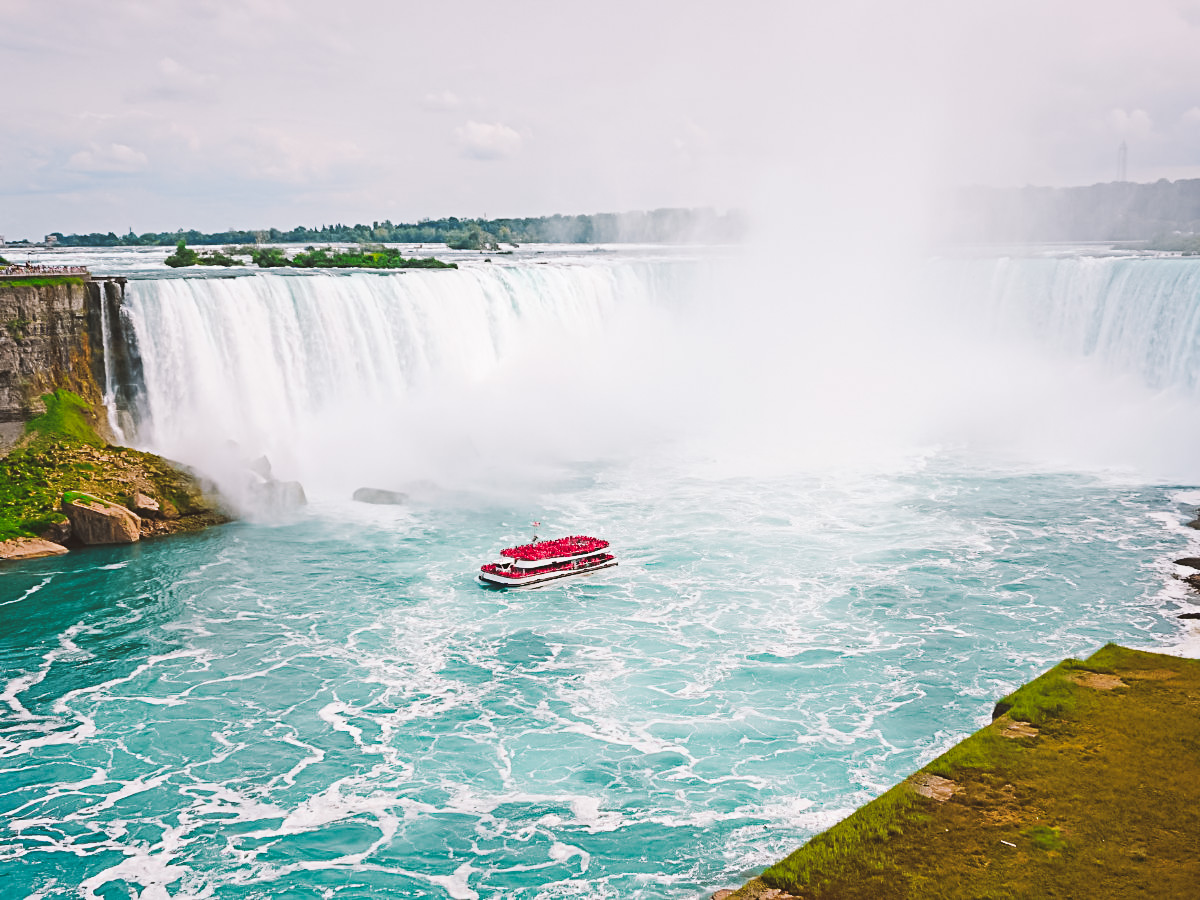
(543,561)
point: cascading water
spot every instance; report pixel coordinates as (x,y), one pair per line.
(336,373)
(1138,317)
(331,706)
(109,387)
(326,374)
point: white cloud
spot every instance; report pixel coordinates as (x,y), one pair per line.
(112,158)
(180,76)
(488,141)
(441,101)
(1192,116)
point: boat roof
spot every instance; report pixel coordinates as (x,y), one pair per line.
(574,545)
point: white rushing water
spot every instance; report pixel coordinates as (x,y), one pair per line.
(482,371)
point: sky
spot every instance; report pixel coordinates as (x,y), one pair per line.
(216,114)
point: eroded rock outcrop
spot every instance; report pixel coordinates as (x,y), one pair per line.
(147,507)
(29,548)
(97,521)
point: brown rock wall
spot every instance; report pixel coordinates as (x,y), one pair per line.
(49,338)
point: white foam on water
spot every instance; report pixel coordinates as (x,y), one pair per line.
(67,649)
(152,871)
(563,853)
(456,885)
(30,592)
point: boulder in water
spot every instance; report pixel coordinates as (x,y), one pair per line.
(380,496)
(29,548)
(261,467)
(1192,562)
(97,521)
(279,496)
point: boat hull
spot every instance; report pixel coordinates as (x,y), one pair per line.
(503,581)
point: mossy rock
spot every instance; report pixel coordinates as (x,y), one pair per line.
(62,455)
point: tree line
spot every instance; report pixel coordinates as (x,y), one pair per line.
(654,226)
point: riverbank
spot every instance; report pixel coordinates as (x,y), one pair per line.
(60,457)
(1084,783)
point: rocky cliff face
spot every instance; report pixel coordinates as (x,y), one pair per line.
(51,337)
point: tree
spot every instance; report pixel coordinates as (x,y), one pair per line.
(182,256)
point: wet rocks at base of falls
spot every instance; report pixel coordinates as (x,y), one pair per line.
(275,497)
(97,521)
(269,495)
(380,497)
(1193,580)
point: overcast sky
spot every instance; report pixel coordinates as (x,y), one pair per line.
(258,113)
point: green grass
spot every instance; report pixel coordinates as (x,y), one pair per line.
(863,836)
(41,281)
(1045,838)
(61,454)
(65,419)
(1103,802)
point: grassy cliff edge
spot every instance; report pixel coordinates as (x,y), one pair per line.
(61,453)
(1085,784)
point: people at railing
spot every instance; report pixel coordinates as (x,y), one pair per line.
(585,563)
(38,269)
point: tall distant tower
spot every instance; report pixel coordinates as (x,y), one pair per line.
(1122,161)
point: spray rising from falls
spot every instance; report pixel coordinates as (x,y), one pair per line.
(1079,360)
(345,380)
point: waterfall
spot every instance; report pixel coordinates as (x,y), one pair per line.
(326,371)
(352,378)
(1134,316)
(109,388)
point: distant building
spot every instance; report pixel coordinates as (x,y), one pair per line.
(51,240)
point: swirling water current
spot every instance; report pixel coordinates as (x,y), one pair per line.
(328,706)
(332,708)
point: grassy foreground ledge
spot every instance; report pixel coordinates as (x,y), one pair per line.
(1086,784)
(61,454)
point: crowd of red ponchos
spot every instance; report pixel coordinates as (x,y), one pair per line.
(586,563)
(568,546)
